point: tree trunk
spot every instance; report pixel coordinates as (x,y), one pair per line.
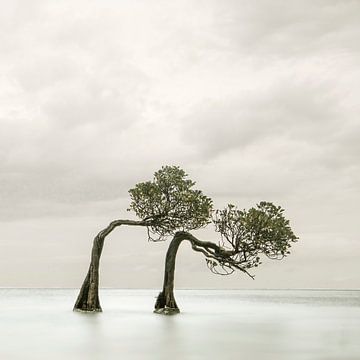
(88,298)
(165,302)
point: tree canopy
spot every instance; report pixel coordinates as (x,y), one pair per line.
(247,234)
(169,203)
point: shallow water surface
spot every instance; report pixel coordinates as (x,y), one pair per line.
(232,324)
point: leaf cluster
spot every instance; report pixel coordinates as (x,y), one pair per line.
(247,234)
(169,203)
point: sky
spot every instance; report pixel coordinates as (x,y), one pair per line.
(254,100)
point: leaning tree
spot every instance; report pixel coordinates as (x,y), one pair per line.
(165,205)
(245,236)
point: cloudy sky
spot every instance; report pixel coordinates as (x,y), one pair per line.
(255,100)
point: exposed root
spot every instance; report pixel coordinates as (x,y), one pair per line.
(167,311)
(88,311)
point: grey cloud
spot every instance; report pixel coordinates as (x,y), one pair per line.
(290,28)
(299,112)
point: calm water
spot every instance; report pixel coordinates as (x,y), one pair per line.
(261,324)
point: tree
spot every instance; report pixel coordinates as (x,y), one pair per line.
(165,205)
(245,236)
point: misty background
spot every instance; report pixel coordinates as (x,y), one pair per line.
(255,100)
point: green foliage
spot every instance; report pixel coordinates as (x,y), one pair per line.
(250,233)
(169,203)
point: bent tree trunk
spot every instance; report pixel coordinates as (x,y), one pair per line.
(165,302)
(88,298)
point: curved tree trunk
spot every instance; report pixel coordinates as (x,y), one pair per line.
(165,302)
(88,298)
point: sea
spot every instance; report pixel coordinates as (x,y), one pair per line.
(213,324)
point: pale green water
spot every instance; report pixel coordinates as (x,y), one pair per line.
(236,324)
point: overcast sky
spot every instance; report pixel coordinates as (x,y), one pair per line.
(255,100)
